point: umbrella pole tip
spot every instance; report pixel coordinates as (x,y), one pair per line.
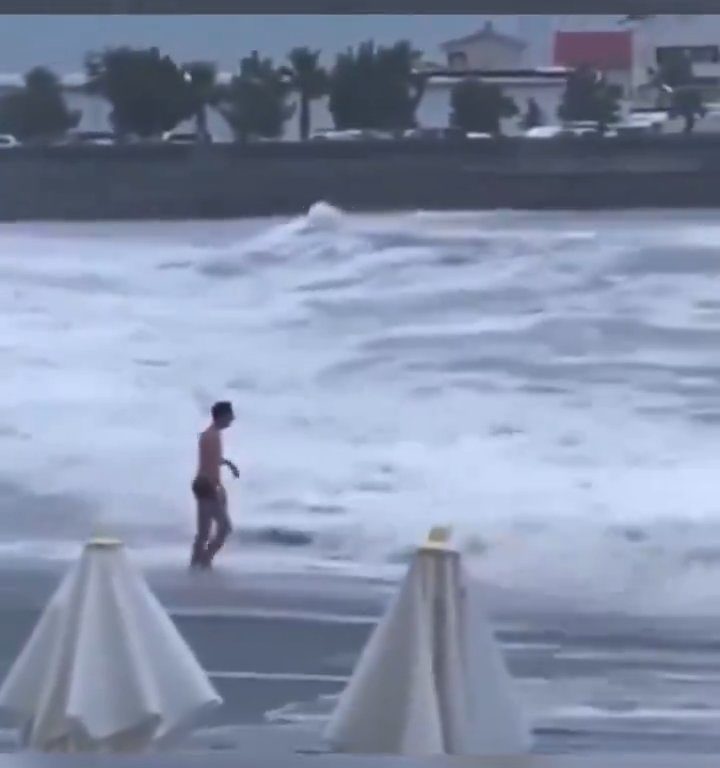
(100,542)
(438,537)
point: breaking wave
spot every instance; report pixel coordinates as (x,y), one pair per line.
(547,383)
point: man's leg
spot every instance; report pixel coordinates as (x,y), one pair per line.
(200,545)
(223,527)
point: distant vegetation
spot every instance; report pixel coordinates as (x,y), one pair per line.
(370,87)
(309,80)
(255,105)
(676,78)
(533,117)
(37,111)
(376,87)
(480,107)
(589,97)
(149,93)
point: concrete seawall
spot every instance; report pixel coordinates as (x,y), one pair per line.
(227,181)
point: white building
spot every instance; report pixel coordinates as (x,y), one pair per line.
(660,37)
(434,110)
(485,49)
(653,39)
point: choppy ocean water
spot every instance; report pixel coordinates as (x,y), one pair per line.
(546,383)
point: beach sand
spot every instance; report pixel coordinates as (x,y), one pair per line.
(279,647)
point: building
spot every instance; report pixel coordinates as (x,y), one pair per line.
(647,41)
(490,50)
(609,52)
(435,107)
(485,49)
(628,53)
(659,37)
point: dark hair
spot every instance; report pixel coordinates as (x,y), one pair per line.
(222,409)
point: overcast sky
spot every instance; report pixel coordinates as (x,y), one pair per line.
(60,42)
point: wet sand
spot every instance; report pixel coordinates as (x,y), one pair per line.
(280,647)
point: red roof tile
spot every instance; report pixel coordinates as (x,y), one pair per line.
(602,50)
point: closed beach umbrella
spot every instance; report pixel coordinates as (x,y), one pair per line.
(431,679)
(105,669)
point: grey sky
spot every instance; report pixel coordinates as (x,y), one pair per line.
(60,42)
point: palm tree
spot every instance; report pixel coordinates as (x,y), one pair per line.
(37,112)
(478,106)
(201,76)
(376,87)
(309,80)
(254,104)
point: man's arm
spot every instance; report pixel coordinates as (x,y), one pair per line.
(229,464)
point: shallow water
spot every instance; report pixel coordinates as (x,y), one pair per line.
(547,383)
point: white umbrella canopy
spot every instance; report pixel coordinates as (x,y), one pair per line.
(105,668)
(431,679)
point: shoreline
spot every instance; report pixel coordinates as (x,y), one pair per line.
(329,596)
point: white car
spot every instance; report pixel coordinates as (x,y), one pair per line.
(352,134)
(8,142)
(544,132)
(571,129)
(98,138)
(177,137)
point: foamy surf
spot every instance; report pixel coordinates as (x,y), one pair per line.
(546,383)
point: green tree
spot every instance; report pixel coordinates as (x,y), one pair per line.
(37,111)
(687,103)
(589,97)
(376,87)
(255,104)
(676,81)
(309,80)
(201,77)
(479,106)
(149,94)
(533,116)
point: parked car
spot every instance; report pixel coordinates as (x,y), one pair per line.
(353,134)
(186,137)
(99,138)
(8,142)
(329,135)
(634,129)
(569,130)
(648,122)
(439,134)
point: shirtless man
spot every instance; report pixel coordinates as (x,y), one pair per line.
(208,488)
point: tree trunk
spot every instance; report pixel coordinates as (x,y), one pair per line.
(420,84)
(304,117)
(201,125)
(689,122)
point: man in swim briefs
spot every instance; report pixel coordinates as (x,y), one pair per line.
(208,489)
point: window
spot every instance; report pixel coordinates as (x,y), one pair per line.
(457,60)
(698,54)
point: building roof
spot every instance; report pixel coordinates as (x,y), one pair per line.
(488,32)
(603,50)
